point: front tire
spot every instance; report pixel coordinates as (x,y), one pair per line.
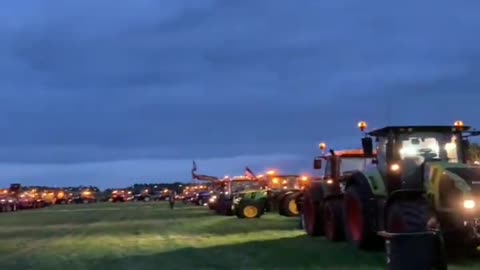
(289,206)
(312,211)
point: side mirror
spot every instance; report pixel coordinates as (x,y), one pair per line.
(367,145)
(317,164)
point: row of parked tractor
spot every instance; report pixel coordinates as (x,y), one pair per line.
(412,189)
(18,198)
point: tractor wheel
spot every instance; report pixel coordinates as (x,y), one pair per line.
(414,216)
(333,221)
(312,211)
(358,227)
(279,201)
(289,206)
(408,216)
(249,210)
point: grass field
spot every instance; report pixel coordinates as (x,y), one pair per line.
(150,236)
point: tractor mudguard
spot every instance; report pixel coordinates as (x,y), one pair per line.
(361,180)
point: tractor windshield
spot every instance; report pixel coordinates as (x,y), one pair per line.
(429,146)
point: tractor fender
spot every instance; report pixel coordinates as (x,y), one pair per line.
(359,179)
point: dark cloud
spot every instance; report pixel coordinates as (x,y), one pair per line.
(89,84)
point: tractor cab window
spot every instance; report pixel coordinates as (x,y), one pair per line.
(353,164)
(328,168)
(382,154)
(426,146)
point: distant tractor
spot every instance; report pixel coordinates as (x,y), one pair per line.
(26,199)
(85,196)
(322,206)
(143,196)
(121,196)
(421,180)
(227,201)
(8,203)
(275,193)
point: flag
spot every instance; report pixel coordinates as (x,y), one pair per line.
(249,174)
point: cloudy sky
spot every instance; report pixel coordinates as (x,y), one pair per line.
(111,92)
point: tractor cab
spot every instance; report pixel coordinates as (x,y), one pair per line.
(339,163)
(405,153)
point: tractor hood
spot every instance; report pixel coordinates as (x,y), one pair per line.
(465,177)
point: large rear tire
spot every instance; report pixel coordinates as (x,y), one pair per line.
(249,210)
(312,211)
(408,216)
(357,220)
(289,205)
(333,220)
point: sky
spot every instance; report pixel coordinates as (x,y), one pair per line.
(109,93)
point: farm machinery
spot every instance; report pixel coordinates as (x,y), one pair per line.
(421,181)
(144,196)
(121,196)
(26,199)
(235,188)
(202,194)
(85,196)
(275,192)
(8,203)
(322,208)
(52,197)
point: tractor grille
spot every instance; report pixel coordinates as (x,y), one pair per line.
(470,175)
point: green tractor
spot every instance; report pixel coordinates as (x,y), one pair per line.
(322,201)
(421,181)
(275,192)
(250,203)
(233,189)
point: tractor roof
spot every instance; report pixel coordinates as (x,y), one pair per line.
(382,132)
(349,153)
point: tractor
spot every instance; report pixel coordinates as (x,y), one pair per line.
(121,196)
(235,188)
(85,196)
(8,203)
(275,192)
(26,199)
(322,211)
(421,180)
(144,196)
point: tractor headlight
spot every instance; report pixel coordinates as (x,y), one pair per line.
(469,204)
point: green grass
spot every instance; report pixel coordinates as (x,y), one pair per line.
(151,236)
